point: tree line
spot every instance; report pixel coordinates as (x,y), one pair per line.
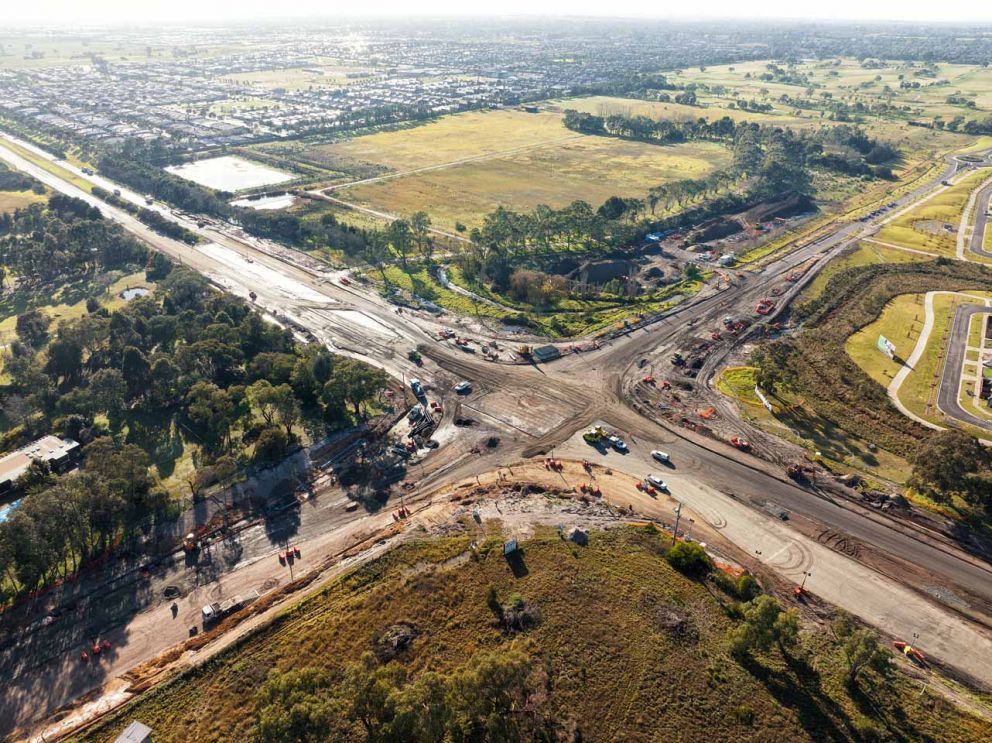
(65,240)
(138,165)
(843,148)
(186,362)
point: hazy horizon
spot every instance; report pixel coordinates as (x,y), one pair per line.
(104,12)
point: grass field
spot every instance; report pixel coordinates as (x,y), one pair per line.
(11,200)
(617,672)
(852,83)
(866,253)
(933,226)
(46,164)
(297,78)
(480,160)
(901,322)
(796,422)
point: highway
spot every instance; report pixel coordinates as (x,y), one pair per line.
(579,390)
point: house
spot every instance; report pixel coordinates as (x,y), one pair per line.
(136,732)
(59,454)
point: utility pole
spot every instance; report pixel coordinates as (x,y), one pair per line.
(678,515)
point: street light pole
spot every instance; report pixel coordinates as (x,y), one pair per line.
(805,576)
(678,516)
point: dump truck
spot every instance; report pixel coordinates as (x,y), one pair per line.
(219,609)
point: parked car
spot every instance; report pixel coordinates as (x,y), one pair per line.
(463,388)
(661,456)
(417,387)
(657,482)
(618,443)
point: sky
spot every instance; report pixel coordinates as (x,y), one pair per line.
(144,11)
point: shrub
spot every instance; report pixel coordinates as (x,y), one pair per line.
(689,558)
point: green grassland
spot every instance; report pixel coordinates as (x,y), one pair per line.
(864,254)
(922,228)
(850,82)
(797,422)
(566,318)
(617,673)
(901,322)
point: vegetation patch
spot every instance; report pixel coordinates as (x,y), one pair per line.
(626,644)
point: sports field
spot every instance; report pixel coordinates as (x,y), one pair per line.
(462,167)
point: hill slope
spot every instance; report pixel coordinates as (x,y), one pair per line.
(627,649)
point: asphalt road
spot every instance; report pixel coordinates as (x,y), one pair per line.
(981,221)
(950,380)
(582,388)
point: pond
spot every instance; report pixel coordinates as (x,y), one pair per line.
(277,201)
(133,292)
(229,173)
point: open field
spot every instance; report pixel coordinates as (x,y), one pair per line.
(11,200)
(849,81)
(618,673)
(591,169)
(444,140)
(933,226)
(866,253)
(298,78)
(901,322)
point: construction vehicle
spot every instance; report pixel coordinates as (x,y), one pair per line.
(765,306)
(219,609)
(800,472)
(678,360)
(415,357)
(595,436)
(910,652)
(190,543)
(524,351)
(739,443)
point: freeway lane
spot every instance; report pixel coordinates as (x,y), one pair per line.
(589,388)
(835,577)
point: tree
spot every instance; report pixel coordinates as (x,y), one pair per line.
(689,558)
(294,707)
(765,623)
(65,359)
(399,236)
(106,390)
(275,402)
(32,327)
(211,410)
(271,446)
(947,461)
(136,372)
(420,226)
(355,383)
(860,648)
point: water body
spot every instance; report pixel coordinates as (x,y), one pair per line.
(133,292)
(280,201)
(229,173)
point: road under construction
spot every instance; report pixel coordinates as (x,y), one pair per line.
(878,566)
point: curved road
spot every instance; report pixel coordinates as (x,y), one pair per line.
(950,381)
(589,387)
